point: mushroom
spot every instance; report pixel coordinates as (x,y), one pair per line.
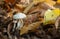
(14,21)
(19,20)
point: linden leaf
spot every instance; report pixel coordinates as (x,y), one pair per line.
(51,15)
(56,11)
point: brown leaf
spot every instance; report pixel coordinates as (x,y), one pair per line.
(32,27)
(10,1)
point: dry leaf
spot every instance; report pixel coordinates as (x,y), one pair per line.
(28,8)
(10,1)
(38,1)
(32,27)
(58,1)
(26,1)
(47,6)
(50,2)
(19,7)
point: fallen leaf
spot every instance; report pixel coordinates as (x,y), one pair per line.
(50,2)
(32,27)
(10,1)
(58,1)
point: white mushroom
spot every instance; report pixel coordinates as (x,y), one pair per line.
(14,21)
(19,17)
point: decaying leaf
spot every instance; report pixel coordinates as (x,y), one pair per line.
(47,6)
(32,27)
(28,8)
(38,1)
(10,1)
(26,1)
(31,18)
(50,2)
(58,1)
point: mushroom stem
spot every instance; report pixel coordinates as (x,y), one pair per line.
(19,24)
(14,25)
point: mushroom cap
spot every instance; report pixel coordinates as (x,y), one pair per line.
(19,16)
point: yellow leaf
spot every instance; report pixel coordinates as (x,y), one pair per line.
(50,16)
(58,1)
(37,1)
(50,2)
(56,11)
